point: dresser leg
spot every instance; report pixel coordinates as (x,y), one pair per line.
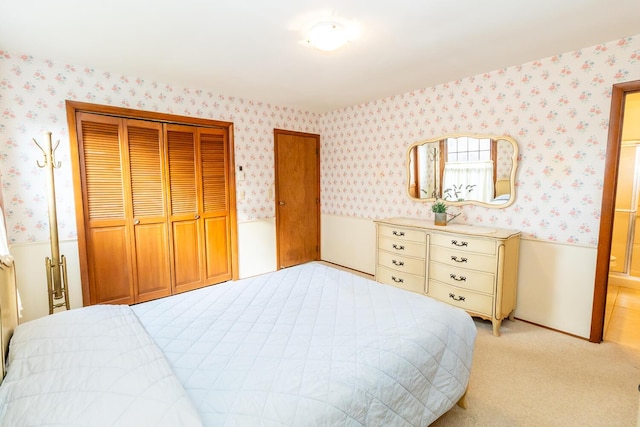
(512,315)
(496,327)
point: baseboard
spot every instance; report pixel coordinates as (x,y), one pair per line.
(553,329)
(349,269)
(624,280)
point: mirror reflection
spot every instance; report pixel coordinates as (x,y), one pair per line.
(464,169)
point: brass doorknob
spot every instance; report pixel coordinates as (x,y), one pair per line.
(282,203)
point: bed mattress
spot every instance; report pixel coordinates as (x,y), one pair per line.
(313,345)
(307,345)
(95,366)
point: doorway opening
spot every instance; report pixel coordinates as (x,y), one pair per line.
(623,220)
(624,268)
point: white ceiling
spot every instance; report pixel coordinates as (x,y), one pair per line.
(255,48)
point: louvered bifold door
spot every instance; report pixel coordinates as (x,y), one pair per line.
(185,221)
(152,276)
(106,230)
(215,203)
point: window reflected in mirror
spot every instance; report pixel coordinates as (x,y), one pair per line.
(464,169)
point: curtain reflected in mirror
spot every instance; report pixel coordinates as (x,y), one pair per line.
(464,169)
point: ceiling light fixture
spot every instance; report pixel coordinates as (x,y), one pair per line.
(328,36)
(330,33)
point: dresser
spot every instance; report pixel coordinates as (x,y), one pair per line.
(471,267)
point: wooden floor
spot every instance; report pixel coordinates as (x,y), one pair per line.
(622,316)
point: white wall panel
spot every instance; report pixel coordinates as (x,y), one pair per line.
(31,276)
(256,247)
(349,241)
(555,285)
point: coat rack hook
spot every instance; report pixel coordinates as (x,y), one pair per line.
(44,153)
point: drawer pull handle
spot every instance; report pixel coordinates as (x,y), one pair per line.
(398,247)
(455,298)
(398,263)
(455,258)
(455,243)
(397,280)
(398,233)
(460,279)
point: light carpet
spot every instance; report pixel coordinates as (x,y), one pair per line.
(532,376)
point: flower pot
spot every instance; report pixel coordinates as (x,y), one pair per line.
(440,218)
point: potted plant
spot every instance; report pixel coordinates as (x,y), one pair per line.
(440,211)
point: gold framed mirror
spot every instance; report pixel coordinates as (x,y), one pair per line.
(463,169)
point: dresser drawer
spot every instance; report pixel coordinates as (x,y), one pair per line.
(464,243)
(462,278)
(402,247)
(402,233)
(463,298)
(463,259)
(407,281)
(402,263)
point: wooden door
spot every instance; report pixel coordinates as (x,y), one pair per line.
(127,251)
(200,205)
(297,197)
(150,243)
(184,217)
(105,251)
(214,172)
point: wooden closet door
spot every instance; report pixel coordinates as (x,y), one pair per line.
(150,241)
(213,145)
(106,229)
(199,199)
(184,218)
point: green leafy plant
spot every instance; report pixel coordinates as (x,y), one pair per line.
(439,207)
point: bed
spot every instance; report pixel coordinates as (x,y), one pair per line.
(306,345)
(503,192)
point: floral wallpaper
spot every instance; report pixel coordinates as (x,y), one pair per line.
(503,161)
(556,108)
(32,100)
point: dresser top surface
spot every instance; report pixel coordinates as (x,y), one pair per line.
(472,230)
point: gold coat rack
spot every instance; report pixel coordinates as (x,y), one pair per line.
(56,266)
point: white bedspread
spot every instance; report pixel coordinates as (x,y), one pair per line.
(312,345)
(94,366)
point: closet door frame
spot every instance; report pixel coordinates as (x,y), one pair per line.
(74,107)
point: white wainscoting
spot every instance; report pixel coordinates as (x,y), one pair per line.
(257,255)
(555,282)
(555,285)
(31,276)
(256,247)
(348,241)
